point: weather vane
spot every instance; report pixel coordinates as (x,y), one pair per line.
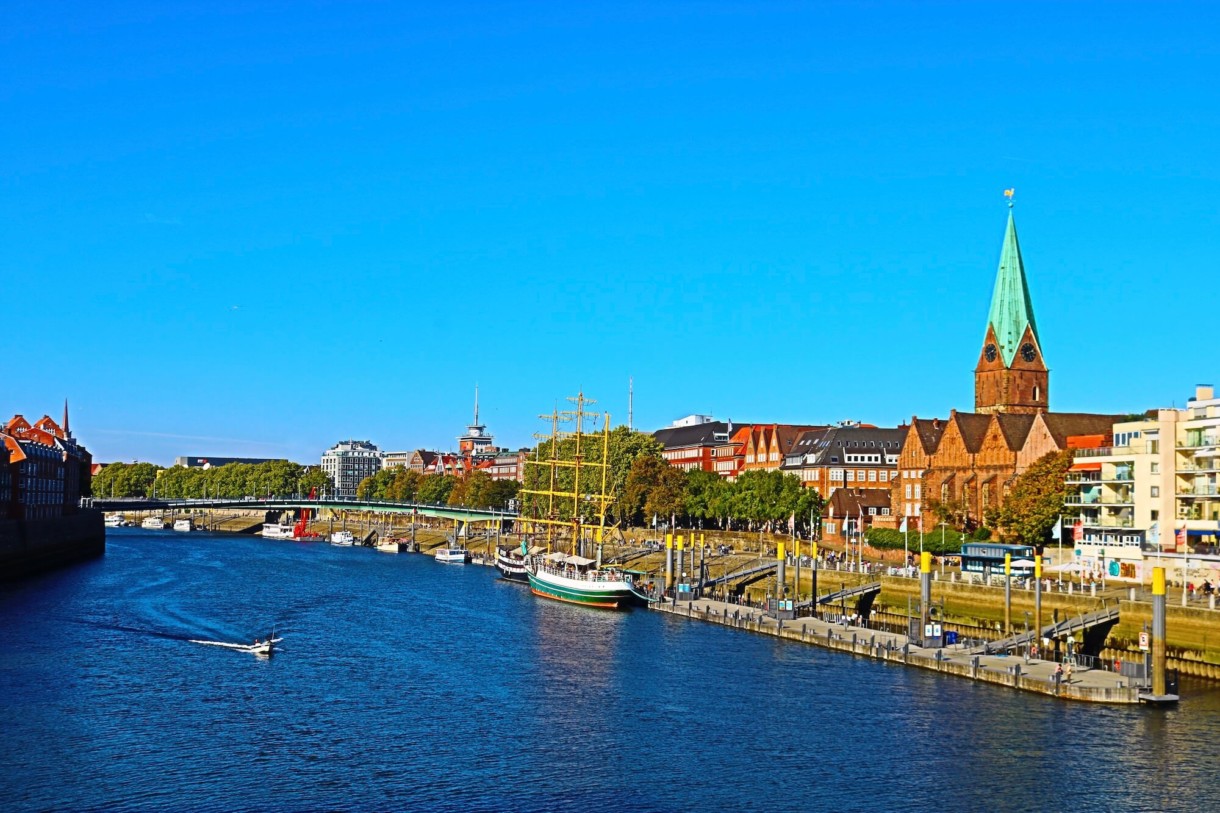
(1008,193)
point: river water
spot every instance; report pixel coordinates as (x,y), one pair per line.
(408,685)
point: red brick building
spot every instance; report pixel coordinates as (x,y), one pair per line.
(46,470)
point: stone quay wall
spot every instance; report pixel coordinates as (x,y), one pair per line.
(31,546)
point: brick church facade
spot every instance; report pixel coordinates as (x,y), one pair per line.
(965,465)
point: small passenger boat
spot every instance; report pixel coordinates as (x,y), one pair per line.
(153,523)
(183,525)
(452,555)
(343,538)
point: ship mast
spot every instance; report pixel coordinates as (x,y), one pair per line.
(566,506)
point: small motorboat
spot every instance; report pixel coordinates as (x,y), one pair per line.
(452,555)
(263,649)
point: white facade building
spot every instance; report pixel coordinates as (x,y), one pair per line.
(1153,497)
(348,462)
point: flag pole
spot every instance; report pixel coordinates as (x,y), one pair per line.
(906,547)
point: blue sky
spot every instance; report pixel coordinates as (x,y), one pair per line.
(258,228)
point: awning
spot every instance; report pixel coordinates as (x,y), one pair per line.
(1086,466)
(579,561)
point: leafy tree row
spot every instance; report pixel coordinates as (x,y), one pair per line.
(476,490)
(275,477)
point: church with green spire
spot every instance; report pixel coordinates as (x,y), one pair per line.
(1011,375)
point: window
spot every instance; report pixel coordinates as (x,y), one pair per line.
(1156,467)
(885,512)
(830,528)
(851,475)
(872,475)
(860,475)
(881,475)
(1156,491)
(872,512)
(908,493)
(917,491)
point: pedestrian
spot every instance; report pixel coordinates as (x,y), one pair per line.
(1068,673)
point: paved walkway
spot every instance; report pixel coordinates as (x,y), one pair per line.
(1036,669)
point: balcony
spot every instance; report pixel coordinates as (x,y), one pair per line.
(1199,491)
(1104,451)
(1082,479)
(1198,442)
(1117,499)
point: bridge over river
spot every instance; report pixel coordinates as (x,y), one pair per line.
(458,513)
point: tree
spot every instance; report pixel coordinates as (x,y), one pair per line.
(125,480)
(434,489)
(705,495)
(1036,500)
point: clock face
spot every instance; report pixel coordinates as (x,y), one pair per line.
(990,351)
(1027,351)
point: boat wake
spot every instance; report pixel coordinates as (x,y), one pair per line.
(261,648)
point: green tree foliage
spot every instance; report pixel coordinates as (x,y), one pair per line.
(707,495)
(404,486)
(125,480)
(939,541)
(625,446)
(434,489)
(1036,500)
(275,477)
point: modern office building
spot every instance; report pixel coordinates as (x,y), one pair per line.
(348,462)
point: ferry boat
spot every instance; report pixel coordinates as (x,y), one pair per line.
(452,555)
(115,520)
(343,538)
(576,580)
(183,525)
(276,530)
(153,523)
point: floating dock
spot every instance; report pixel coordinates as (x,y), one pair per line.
(1025,674)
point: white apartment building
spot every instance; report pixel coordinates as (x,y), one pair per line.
(1151,497)
(348,462)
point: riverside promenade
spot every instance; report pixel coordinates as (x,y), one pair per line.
(1016,672)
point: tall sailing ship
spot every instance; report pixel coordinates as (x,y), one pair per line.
(566,498)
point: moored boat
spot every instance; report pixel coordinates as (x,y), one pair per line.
(452,555)
(510,561)
(391,545)
(153,523)
(183,525)
(343,538)
(577,580)
(115,520)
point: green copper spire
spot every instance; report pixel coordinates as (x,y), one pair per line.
(1011,309)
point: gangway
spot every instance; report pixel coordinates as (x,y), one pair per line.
(624,558)
(748,575)
(1093,629)
(864,595)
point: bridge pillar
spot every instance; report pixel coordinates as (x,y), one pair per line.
(681,545)
(1038,601)
(1158,631)
(1007,594)
(780,586)
(813,595)
(925,591)
(669,561)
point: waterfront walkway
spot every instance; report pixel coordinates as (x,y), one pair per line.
(1034,675)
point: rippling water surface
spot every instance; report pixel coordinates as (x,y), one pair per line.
(408,685)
